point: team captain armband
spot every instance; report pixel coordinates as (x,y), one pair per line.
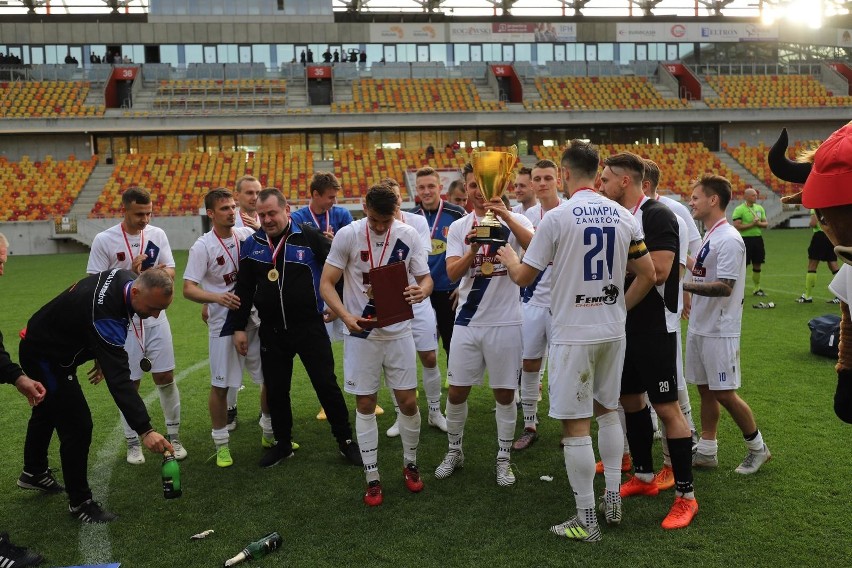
(637,249)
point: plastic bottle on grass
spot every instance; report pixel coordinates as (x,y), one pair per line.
(255,550)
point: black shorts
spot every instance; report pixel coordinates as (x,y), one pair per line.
(821,248)
(755,253)
(650,365)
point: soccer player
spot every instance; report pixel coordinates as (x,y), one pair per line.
(535,299)
(487,333)
(651,350)
(378,240)
(524,193)
(439,215)
(423,327)
(210,275)
(279,274)
(592,243)
(713,336)
(136,245)
(820,249)
(749,218)
(456,194)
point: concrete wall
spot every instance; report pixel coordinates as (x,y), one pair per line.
(767,132)
(28,238)
(37,146)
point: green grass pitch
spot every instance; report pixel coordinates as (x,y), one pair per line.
(792,513)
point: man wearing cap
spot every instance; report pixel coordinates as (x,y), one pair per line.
(749,218)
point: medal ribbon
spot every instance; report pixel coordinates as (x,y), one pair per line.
(718,224)
(140,333)
(316,219)
(638,205)
(127,242)
(277,249)
(370,245)
(437,216)
(237,246)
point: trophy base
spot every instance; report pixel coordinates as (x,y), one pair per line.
(490,235)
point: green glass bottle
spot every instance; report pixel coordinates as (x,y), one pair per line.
(255,550)
(171,476)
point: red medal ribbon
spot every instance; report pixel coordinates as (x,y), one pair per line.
(370,245)
(127,242)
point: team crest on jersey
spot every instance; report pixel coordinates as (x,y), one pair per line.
(400,253)
(120,256)
(220,260)
(365,255)
(300,254)
(445,231)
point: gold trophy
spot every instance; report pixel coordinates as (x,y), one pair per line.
(493,171)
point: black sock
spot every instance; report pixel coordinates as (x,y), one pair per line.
(680,451)
(640,438)
(750,437)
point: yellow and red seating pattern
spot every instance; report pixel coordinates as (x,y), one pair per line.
(753,158)
(415,95)
(230,93)
(35,191)
(46,99)
(771,91)
(178,182)
(600,93)
(680,163)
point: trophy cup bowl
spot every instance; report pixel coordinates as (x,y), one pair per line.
(493,170)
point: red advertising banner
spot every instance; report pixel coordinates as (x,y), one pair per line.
(319,72)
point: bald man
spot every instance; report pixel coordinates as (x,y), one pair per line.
(750,220)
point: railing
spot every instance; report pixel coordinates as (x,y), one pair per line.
(757,69)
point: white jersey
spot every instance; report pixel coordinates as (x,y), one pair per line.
(538,293)
(683,212)
(722,255)
(350,252)
(673,319)
(214,263)
(111,250)
(588,239)
(485,300)
(419,223)
(239,223)
(841,284)
(519,208)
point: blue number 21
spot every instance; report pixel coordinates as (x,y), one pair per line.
(599,238)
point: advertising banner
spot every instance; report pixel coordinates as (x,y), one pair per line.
(513,32)
(407,33)
(642,32)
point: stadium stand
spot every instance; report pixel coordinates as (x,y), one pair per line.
(40,190)
(600,93)
(680,163)
(753,158)
(54,99)
(415,95)
(179,181)
(230,94)
(771,91)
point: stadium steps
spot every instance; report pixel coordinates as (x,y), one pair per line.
(775,212)
(663,90)
(343,91)
(95,96)
(91,191)
(485,91)
(297,95)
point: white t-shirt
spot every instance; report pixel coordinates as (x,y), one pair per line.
(422,227)
(841,284)
(673,320)
(538,293)
(683,212)
(722,255)
(588,239)
(350,253)
(110,250)
(485,300)
(240,224)
(214,265)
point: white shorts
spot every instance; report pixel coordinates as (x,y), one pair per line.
(365,359)
(424,327)
(336,330)
(226,365)
(582,374)
(158,348)
(713,361)
(536,331)
(681,382)
(473,350)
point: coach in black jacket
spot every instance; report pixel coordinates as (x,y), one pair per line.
(88,321)
(280,267)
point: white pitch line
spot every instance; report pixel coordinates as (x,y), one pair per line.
(94,542)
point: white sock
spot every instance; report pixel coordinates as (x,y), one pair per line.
(529,397)
(757,444)
(708,447)
(266,426)
(232,396)
(623,421)
(580,466)
(395,405)
(667,459)
(220,437)
(130,435)
(610,447)
(432,385)
(686,407)
(367,431)
(655,422)
(170,401)
(507,418)
(456,417)
(409,434)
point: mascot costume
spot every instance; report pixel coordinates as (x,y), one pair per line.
(827,178)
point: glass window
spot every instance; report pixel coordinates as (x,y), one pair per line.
(591,52)
(262,54)
(193,53)
(438,52)
(652,52)
(523,52)
(36,55)
(169,54)
(374,53)
(462,52)
(286,54)
(626,53)
(605,52)
(545,53)
(685,50)
(558,52)
(571,51)
(226,54)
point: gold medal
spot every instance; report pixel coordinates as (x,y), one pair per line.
(438,247)
(369,292)
(487,268)
(272,275)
